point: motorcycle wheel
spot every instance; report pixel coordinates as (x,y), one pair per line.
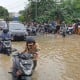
(63,34)
(8,51)
(16,78)
(35,64)
(28,78)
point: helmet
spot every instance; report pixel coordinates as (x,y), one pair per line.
(30,40)
(5,30)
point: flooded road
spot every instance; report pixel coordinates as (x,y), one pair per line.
(59,59)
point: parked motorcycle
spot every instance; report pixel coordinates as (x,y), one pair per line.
(23,65)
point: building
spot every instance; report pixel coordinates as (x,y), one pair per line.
(13,14)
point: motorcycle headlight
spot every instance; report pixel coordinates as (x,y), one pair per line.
(28,72)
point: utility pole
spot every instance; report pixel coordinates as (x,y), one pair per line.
(36,9)
(25,14)
(7,22)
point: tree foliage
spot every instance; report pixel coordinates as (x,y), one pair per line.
(48,10)
(3,12)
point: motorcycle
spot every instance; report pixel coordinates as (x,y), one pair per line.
(63,34)
(23,63)
(6,46)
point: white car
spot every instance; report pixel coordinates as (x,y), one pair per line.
(17,30)
(3,25)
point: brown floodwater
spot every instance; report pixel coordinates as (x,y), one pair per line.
(59,58)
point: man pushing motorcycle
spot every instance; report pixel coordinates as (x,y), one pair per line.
(31,48)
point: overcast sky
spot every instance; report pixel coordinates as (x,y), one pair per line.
(13,5)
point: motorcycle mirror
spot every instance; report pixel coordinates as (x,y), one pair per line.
(14,50)
(15,54)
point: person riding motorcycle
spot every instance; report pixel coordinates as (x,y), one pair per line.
(5,35)
(31,47)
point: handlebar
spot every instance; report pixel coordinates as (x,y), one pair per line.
(22,55)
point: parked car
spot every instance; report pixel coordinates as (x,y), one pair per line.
(17,30)
(3,24)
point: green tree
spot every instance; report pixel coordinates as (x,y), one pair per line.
(48,10)
(3,12)
(21,18)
